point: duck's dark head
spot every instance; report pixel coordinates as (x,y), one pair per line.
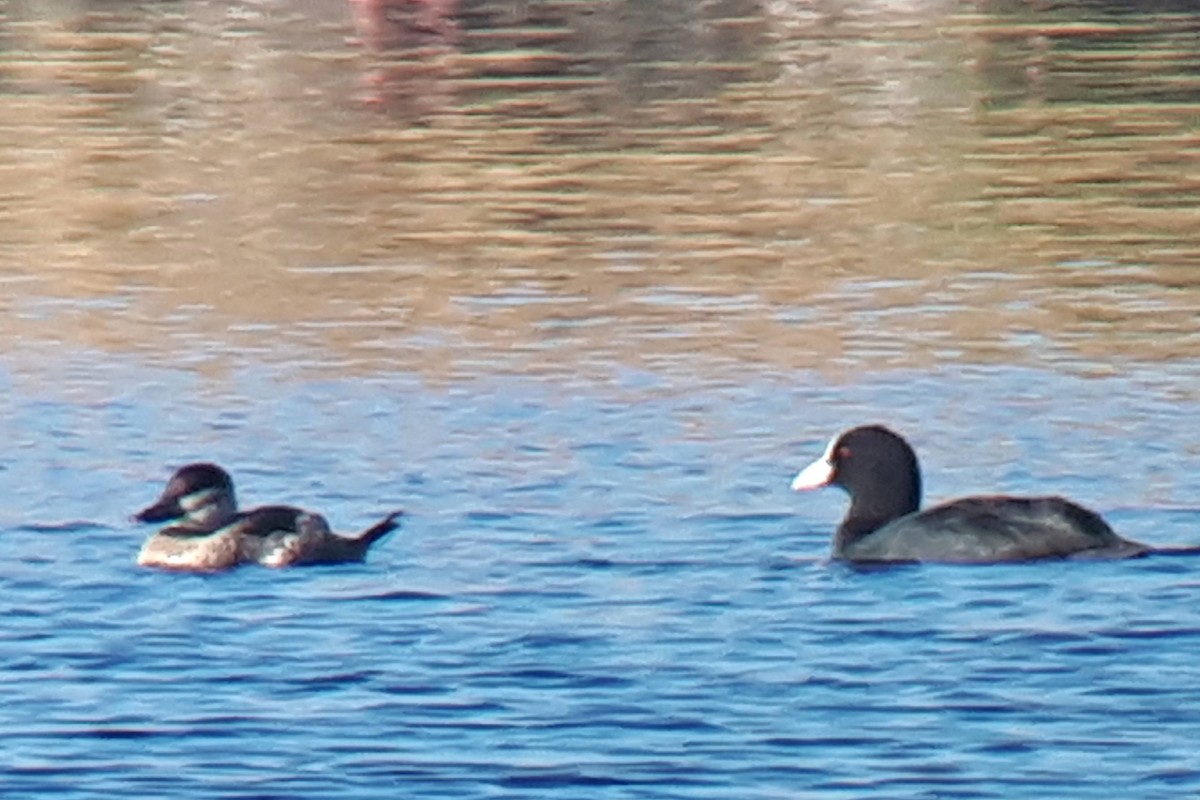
(198,496)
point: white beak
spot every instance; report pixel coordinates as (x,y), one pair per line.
(817,474)
(814,476)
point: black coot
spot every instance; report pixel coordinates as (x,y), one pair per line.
(884,524)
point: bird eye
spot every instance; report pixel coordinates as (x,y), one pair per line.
(842,453)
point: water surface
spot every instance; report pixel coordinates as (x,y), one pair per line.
(580,286)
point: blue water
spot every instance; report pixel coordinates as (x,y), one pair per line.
(603,589)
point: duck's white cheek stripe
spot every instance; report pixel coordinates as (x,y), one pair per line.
(197,500)
(817,474)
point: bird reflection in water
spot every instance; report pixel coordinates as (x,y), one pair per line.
(411,44)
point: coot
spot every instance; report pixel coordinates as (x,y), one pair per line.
(878,469)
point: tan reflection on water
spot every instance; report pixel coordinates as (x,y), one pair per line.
(558,185)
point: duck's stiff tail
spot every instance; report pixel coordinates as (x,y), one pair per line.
(379,530)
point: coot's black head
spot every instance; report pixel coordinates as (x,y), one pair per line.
(200,493)
(877,468)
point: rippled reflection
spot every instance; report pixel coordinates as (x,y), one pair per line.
(577,284)
(420,184)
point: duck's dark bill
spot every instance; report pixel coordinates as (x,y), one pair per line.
(163,510)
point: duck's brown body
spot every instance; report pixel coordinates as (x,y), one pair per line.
(208,552)
(211,534)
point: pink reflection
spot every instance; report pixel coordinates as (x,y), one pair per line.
(411,43)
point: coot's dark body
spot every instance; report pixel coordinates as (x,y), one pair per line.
(879,470)
(985,529)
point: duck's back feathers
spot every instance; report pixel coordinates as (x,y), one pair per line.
(314,543)
(267,520)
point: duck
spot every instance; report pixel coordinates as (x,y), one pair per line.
(207,532)
(885,524)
